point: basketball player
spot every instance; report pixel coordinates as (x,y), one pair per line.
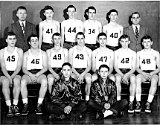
(113,30)
(92,28)
(125,66)
(70,27)
(34,67)
(11,61)
(56,57)
(47,28)
(147,67)
(102,55)
(80,59)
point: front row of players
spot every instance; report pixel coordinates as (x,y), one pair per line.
(101,97)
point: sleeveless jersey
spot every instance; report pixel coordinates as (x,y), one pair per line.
(34,62)
(80,58)
(147,59)
(91,31)
(49,28)
(11,59)
(72,27)
(103,57)
(124,59)
(113,34)
(57,58)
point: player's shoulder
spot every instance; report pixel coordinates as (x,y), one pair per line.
(88,49)
(19,50)
(155,51)
(64,49)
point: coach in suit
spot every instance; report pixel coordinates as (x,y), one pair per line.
(135,31)
(22,28)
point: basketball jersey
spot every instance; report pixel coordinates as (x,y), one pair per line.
(57,58)
(80,58)
(91,28)
(103,57)
(11,59)
(48,29)
(34,62)
(113,33)
(147,59)
(72,27)
(124,60)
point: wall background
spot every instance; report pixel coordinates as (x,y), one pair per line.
(149,10)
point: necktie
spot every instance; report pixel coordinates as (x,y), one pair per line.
(136,32)
(22,25)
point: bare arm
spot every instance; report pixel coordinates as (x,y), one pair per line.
(40,34)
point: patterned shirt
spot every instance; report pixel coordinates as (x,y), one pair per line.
(104,92)
(68,92)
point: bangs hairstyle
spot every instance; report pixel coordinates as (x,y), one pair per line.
(71,6)
(33,35)
(21,7)
(80,33)
(67,64)
(92,8)
(10,34)
(103,66)
(56,34)
(124,36)
(146,37)
(48,8)
(101,34)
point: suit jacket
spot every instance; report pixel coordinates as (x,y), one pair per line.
(135,43)
(22,38)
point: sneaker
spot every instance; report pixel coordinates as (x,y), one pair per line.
(16,110)
(138,107)
(10,111)
(130,110)
(39,109)
(148,107)
(25,109)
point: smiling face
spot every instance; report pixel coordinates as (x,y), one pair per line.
(49,14)
(113,16)
(71,12)
(91,14)
(21,14)
(11,40)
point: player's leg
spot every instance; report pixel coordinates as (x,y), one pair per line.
(112,77)
(118,84)
(24,92)
(16,92)
(51,80)
(43,81)
(132,90)
(152,91)
(94,77)
(6,93)
(88,85)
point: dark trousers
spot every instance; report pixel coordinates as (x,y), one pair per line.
(46,46)
(92,46)
(58,109)
(116,108)
(114,48)
(69,45)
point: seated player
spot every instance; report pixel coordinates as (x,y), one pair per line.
(66,96)
(80,59)
(11,58)
(125,66)
(103,96)
(147,67)
(56,57)
(102,55)
(34,67)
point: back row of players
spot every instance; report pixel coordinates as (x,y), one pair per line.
(35,63)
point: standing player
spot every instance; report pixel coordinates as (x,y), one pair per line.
(47,28)
(113,30)
(92,28)
(125,66)
(80,59)
(102,55)
(136,32)
(34,67)
(70,27)
(56,57)
(11,61)
(147,66)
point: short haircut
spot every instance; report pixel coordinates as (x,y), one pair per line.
(67,64)
(21,7)
(10,34)
(91,7)
(71,6)
(29,38)
(124,36)
(104,66)
(135,13)
(56,34)
(146,37)
(80,33)
(112,10)
(101,34)
(48,8)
